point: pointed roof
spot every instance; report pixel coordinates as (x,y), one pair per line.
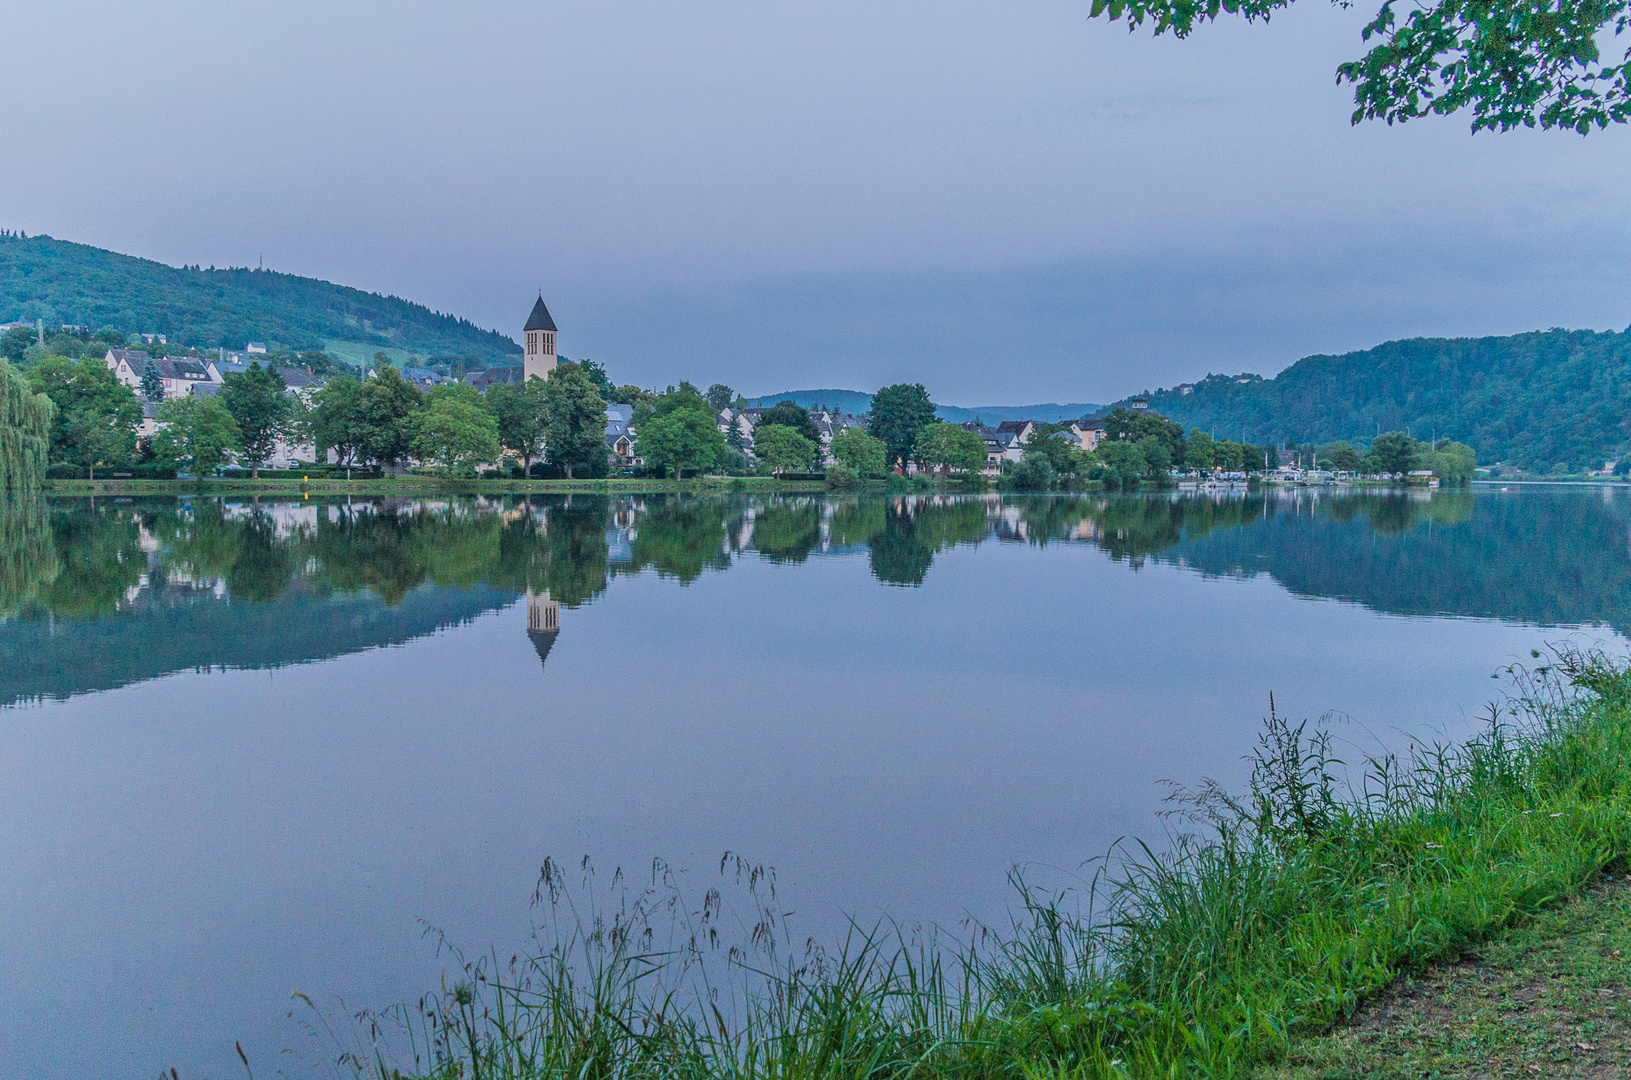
(543,641)
(539,320)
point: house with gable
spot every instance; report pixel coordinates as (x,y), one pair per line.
(179,374)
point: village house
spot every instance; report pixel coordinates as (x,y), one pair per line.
(179,374)
(620,436)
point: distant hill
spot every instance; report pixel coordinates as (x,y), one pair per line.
(1553,401)
(63,282)
(854,401)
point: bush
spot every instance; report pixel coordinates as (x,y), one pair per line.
(1032,474)
(841,476)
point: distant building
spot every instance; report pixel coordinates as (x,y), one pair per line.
(255,347)
(423,377)
(1138,403)
(1089,432)
(620,436)
(481,380)
(160,338)
(539,345)
(179,374)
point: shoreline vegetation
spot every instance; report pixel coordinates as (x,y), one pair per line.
(421,484)
(1269,920)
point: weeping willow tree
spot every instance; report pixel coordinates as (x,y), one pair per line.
(25,433)
(28,552)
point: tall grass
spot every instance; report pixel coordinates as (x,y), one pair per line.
(1275,914)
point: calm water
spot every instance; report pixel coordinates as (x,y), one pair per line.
(250,748)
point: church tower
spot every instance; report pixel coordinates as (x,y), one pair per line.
(539,343)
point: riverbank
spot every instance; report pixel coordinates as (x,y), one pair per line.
(413,484)
(1287,909)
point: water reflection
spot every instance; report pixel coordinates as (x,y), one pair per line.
(100,593)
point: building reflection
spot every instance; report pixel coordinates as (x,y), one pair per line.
(543,622)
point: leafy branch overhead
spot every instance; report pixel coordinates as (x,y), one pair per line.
(1513,63)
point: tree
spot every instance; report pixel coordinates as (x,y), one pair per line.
(1513,64)
(1341,456)
(197,433)
(857,450)
(1136,424)
(1051,443)
(96,415)
(951,447)
(455,428)
(1453,462)
(256,400)
(898,413)
(1200,452)
(1032,473)
(789,414)
(720,397)
(1157,459)
(152,383)
(522,412)
(1395,452)
(680,439)
(336,419)
(576,432)
(388,402)
(1122,465)
(598,376)
(25,432)
(782,448)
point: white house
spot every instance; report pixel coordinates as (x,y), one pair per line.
(179,374)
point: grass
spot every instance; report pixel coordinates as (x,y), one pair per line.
(1275,920)
(1548,997)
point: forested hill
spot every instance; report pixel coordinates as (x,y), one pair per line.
(62,282)
(1538,401)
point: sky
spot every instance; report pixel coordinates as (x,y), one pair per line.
(1009,203)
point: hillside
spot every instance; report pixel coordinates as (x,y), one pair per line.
(855,401)
(63,282)
(1553,401)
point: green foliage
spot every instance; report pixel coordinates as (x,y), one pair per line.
(950,447)
(152,383)
(576,414)
(1032,473)
(195,433)
(1531,400)
(787,414)
(72,283)
(1200,451)
(336,421)
(522,412)
(1395,452)
(898,413)
(261,409)
(388,404)
(25,433)
(95,416)
(455,429)
(1136,425)
(680,439)
(720,397)
(859,451)
(783,449)
(1120,465)
(1512,64)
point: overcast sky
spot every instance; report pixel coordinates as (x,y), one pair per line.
(1009,203)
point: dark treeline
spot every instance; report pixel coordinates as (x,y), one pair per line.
(1550,402)
(67,283)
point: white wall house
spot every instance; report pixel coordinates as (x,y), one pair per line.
(178,373)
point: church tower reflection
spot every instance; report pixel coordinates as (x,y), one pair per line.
(543,622)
